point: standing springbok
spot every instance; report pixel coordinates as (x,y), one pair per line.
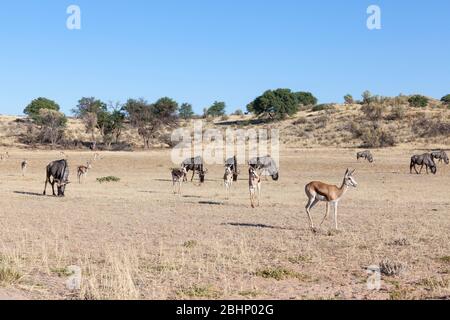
(24,166)
(178,176)
(4,156)
(319,191)
(254,186)
(228,178)
(82,171)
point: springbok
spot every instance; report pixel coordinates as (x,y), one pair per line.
(4,156)
(319,191)
(228,179)
(178,176)
(96,156)
(254,186)
(82,171)
(24,166)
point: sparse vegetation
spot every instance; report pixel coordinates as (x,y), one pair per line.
(392,268)
(199,292)
(190,244)
(108,179)
(418,101)
(279,273)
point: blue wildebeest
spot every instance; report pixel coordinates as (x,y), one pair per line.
(365,155)
(266,165)
(59,172)
(441,156)
(423,160)
(196,166)
(233,166)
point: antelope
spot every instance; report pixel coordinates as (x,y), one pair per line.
(82,171)
(228,179)
(254,185)
(4,156)
(178,176)
(24,166)
(319,191)
(96,156)
(267,165)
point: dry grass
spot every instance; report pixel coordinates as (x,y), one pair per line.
(135,240)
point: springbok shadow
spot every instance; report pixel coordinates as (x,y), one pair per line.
(34,194)
(255,225)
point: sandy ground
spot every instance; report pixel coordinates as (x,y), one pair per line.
(136,240)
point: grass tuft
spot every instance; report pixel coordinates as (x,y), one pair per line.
(108,179)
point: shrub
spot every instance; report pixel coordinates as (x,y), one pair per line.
(418,101)
(392,268)
(427,127)
(373,111)
(322,107)
(300,121)
(446,100)
(349,99)
(398,113)
(108,179)
(377,137)
(33,109)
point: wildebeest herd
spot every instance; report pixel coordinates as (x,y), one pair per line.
(57,172)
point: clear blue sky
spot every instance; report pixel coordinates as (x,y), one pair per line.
(199,51)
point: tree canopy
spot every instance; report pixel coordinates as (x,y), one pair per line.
(275,104)
(446,99)
(217,109)
(305,98)
(33,109)
(186,111)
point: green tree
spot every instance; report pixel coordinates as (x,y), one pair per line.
(446,99)
(349,99)
(53,124)
(89,105)
(217,109)
(149,119)
(367,97)
(93,112)
(276,104)
(305,98)
(418,101)
(33,109)
(186,111)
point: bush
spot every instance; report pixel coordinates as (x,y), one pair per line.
(108,179)
(305,98)
(398,113)
(446,100)
(427,127)
(418,101)
(373,111)
(349,99)
(276,104)
(322,107)
(376,137)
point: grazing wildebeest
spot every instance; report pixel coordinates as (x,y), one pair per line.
(196,166)
(441,156)
(59,171)
(265,164)
(233,165)
(254,186)
(318,191)
(178,176)
(365,155)
(423,160)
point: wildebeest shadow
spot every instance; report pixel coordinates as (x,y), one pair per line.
(163,180)
(255,225)
(34,194)
(214,203)
(188,196)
